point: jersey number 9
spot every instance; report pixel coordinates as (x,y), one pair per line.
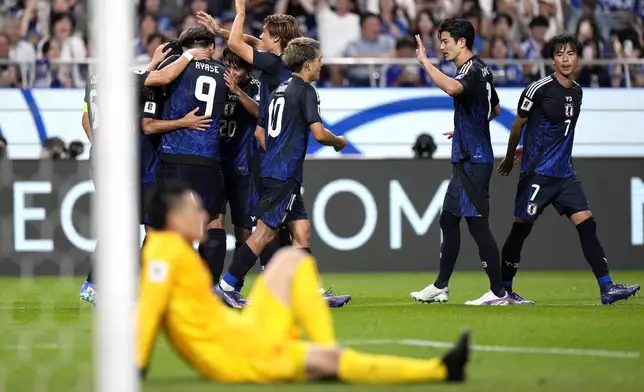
(275,113)
(208,98)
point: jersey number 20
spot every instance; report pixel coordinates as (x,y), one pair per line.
(275,113)
(209,98)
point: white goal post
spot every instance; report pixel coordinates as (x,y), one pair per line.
(115,217)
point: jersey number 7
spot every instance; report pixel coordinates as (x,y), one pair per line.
(275,114)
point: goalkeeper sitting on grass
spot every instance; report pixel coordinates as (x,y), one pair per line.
(260,344)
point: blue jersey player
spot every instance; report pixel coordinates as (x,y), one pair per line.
(265,56)
(238,142)
(190,155)
(547,114)
(475,104)
(91,119)
(292,112)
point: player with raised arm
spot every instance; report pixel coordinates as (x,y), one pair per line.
(239,145)
(192,155)
(475,104)
(547,115)
(260,344)
(265,56)
(149,78)
(283,131)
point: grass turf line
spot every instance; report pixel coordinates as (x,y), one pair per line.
(45,342)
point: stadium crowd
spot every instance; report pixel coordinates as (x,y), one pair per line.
(41,39)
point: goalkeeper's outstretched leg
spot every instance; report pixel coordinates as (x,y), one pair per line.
(292,279)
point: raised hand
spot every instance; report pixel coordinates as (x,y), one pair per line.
(448,134)
(231,81)
(421,52)
(208,22)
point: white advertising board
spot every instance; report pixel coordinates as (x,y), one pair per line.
(379,123)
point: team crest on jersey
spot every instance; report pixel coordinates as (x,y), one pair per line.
(569,110)
(532,208)
(229,109)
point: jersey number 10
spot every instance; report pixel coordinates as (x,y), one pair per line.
(275,114)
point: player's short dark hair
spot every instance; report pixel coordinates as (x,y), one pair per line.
(560,42)
(231,58)
(196,36)
(299,51)
(284,27)
(165,199)
(405,42)
(458,28)
(367,15)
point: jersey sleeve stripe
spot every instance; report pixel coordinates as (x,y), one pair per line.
(466,68)
(537,85)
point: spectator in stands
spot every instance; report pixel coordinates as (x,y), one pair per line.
(197,6)
(394,20)
(153,43)
(372,43)
(587,30)
(502,29)
(72,47)
(629,49)
(8,77)
(147,27)
(153,7)
(474,17)
(49,74)
(258,10)
(34,21)
(592,75)
(425,27)
(21,51)
(336,29)
(533,47)
(551,9)
(507,75)
(303,11)
(408,75)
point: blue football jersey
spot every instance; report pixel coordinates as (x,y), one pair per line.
(151,107)
(238,132)
(472,109)
(552,111)
(201,85)
(274,71)
(287,119)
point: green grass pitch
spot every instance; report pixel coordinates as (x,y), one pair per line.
(567,342)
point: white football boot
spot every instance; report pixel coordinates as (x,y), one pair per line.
(490,299)
(431,294)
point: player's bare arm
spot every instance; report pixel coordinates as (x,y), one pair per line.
(172,71)
(260,135)
(515,135)
(327,138)
(236,41)
(451,86)
(86,125)
(153,126)
(249,104)
(209,23)
(159,55)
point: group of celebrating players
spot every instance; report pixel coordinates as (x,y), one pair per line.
(215,136)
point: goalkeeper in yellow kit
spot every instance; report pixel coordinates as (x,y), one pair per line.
(261,343)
